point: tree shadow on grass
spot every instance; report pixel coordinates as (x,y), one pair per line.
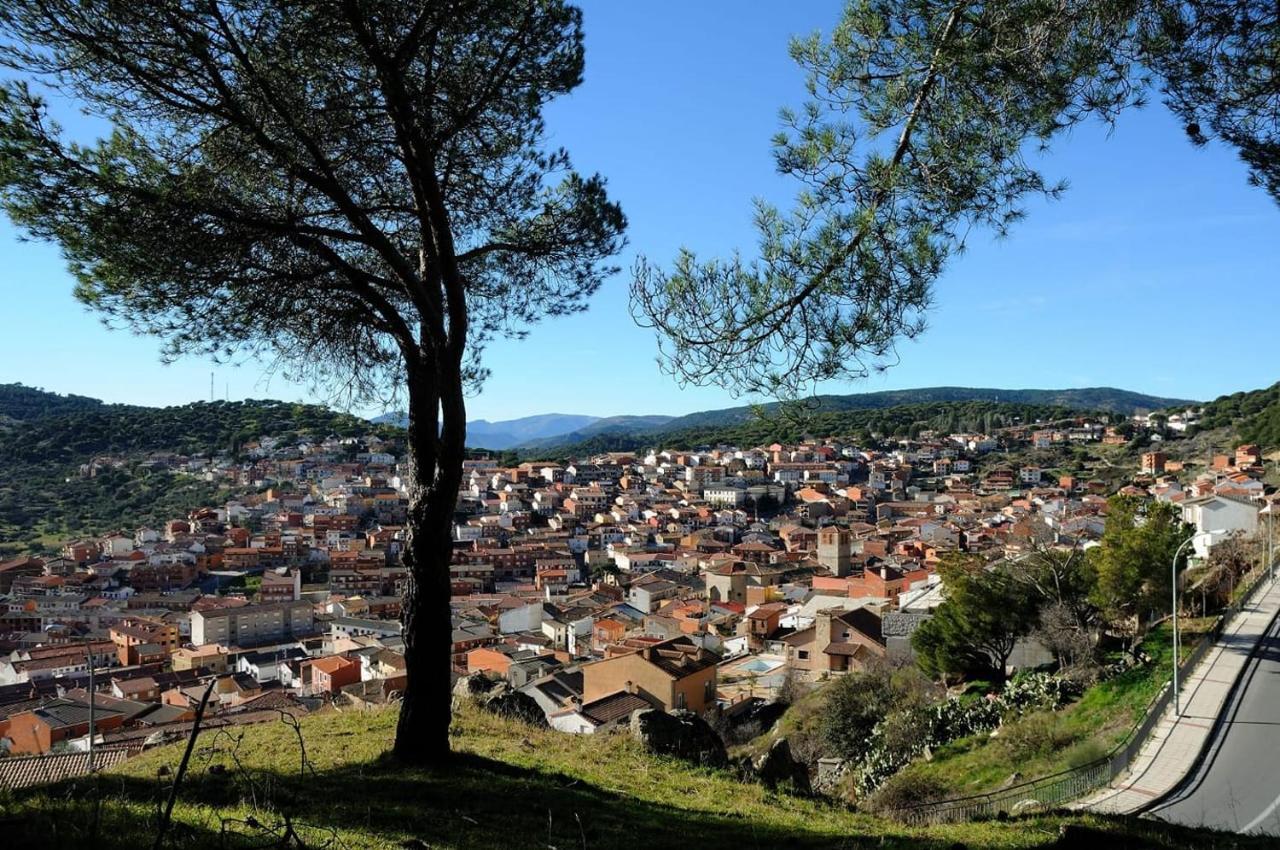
(476,802)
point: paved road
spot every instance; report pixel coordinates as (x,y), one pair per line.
(1238,785)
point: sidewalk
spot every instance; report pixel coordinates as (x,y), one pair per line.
(1176,743)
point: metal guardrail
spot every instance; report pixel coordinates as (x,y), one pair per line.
(1068,785)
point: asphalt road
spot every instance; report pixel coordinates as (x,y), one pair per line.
(1237,787)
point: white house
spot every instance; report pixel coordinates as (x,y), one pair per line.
(1220,514)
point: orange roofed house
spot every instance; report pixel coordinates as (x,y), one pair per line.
(671,674)
(332,674)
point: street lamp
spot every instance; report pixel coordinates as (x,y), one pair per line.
(1270,511)
(1177,707)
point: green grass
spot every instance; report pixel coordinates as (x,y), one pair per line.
(1076,734)
(511,786)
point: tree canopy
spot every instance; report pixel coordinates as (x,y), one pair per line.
(361,190)
(1134,561)
(975,629)
(920,122)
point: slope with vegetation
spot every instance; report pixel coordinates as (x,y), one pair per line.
(950,726)
(45,439)
(639,428)
(868,426)
(1253,416)
(511,786)
(21,402)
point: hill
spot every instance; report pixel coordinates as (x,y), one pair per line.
(43,496)
(540,430)
(609,425)
(867,425)
(23,403)
(1097,398)
(513,786)
(555,430)
(1253,416)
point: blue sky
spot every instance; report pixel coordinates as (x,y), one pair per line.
(1151,274)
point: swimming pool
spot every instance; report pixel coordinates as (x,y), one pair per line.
(759,665)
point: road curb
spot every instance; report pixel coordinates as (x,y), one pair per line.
(1231,707)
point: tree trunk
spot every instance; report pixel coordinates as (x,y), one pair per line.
(435,467)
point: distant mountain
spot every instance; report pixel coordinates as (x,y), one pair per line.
(610,425)
(554,430)
(529,430)
(1095,398)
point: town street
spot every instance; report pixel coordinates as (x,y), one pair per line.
(1238,785)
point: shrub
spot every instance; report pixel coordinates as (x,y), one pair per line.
(906,789)
(853,706)
(1085,752)
(1034,736)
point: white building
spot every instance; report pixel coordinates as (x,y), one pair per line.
(1222,515)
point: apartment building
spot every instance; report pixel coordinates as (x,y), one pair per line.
(252,624)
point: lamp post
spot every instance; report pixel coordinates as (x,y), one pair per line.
(1269,510)
(1177,706)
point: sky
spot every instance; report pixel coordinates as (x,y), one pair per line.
(1159,260)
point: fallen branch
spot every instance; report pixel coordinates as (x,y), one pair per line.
(182,766)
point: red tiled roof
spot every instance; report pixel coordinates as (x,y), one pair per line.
(26,771)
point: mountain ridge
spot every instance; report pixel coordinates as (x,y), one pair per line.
(557,429)
(1083,398)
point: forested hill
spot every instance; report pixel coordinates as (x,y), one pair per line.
(200,428)
(1092,398)
(24,403)
(627,430)
(1254,416)
(866,426)
(45,438)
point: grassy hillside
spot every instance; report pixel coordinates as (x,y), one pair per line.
(513,787)
(1044,743)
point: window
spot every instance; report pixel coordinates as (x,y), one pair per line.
(680,701)
(804,654)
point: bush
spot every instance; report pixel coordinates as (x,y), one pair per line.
(906,789)
(854,704)
(857,703)
(1034,736)
(1085,752)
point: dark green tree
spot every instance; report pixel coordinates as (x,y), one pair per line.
(974,631)
(358,188)
(1133,562)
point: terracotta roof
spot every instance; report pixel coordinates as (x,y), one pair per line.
(26,771)
(332,664)
(680,657)
(614,707)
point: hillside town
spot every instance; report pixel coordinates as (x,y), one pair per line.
(705,580)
